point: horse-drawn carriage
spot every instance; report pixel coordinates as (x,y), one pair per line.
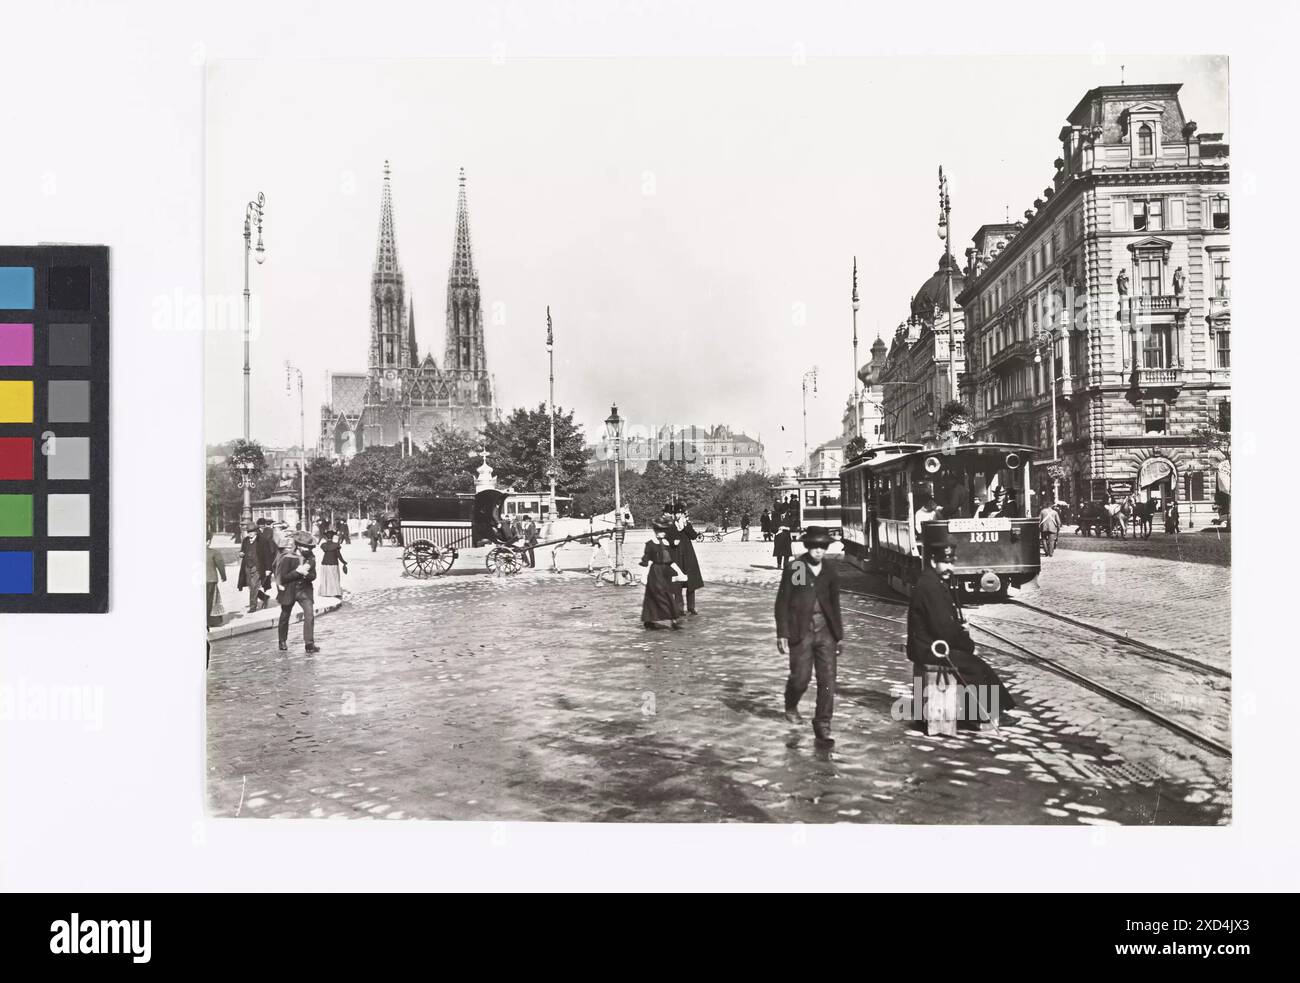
(434,532)
(1100,518)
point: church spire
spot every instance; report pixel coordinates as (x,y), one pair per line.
(386,263)
(462,260)
(410,323)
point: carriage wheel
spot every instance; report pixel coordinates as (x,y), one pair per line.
(503,561)
(423,559)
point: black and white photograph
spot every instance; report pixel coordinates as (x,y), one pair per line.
(696,441)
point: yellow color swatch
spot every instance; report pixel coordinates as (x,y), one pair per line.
(15,401)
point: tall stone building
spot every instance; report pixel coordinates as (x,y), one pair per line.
(871,400)
(914,379)
(402,396)
(1111,300)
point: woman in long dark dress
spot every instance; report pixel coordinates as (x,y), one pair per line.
(661,607)
(681,537)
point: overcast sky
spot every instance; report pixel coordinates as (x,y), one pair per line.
(691,222)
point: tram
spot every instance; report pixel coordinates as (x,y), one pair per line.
(819,504)
(979,491)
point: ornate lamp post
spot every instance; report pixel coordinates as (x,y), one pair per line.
(246,469)
(857,402)
(551,468)
(618,575)
(289,370)
(1049,338)
(252,215)
(945,233)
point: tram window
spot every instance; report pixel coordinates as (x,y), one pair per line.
(810,498)
(885,496)
(830,497)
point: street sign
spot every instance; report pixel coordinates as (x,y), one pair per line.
(979,525)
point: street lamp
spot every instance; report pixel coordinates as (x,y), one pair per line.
(289,370)
(857,405)
(810,374)
(252,215)
(246,469)
(945,233)
(618,575)
(1050,338)
(551,469)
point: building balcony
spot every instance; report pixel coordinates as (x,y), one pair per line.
(1157,304)
(1150,379)
(1017,351)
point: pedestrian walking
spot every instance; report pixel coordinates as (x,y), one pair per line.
(1171,517)
(372,533)
(781,545)
(529,533)
(810,630)
(295,572)
(331,585)
(250,572)
(344,533)
(1049,528)
(661,607)
(744,527)
(682,536)
(932,617)
(216,573)
(765,525)
(267,554)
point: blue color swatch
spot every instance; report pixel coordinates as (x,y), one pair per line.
(15,572)
(17,288)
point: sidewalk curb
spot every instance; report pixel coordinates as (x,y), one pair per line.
(247,627)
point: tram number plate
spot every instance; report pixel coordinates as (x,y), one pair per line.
(984,537)
(979,525)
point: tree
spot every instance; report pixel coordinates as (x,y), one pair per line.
(745,494)
(855,447)
(445,465)
(665,480)
(597,497)
(519,449)
(955,418)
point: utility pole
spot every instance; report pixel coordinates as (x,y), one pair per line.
(857,404)
(550,354)
(810,374)
(945,233)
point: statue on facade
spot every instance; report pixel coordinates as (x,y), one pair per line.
(1178,282)
(1121,283)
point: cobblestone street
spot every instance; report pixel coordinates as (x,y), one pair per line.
(541,697)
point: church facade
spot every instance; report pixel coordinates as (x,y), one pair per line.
(402,397)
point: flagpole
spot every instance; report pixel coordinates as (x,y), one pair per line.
(550,354)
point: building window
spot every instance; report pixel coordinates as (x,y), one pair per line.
(1148,214)
(1194,486)
(1146,140)
(1154,414)
(1156,347)
(1223,348)
(1219,264)
(1150,273)
(1224,414)
(1219,211)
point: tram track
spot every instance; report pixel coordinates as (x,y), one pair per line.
(1024,654)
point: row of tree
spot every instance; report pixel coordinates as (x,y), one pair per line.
(518,450)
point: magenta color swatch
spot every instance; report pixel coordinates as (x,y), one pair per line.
(15,344)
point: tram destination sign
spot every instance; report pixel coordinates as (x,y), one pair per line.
(979,525)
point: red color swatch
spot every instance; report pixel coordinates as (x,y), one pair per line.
(15,458)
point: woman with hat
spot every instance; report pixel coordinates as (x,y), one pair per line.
(680,536)
(661,607)
(331,585)
(933,618)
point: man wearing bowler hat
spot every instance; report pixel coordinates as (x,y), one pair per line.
(295,571)
(932,616)
(809,629)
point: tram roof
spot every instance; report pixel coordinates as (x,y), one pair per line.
(874,457)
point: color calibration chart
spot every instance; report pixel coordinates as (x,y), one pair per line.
(54,428)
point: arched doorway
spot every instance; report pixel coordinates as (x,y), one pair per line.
(1157,481)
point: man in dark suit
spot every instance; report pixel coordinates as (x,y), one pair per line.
(528,530)
(295,571)
(932,617)
(809,629)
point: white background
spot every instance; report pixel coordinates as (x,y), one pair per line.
(101,141)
